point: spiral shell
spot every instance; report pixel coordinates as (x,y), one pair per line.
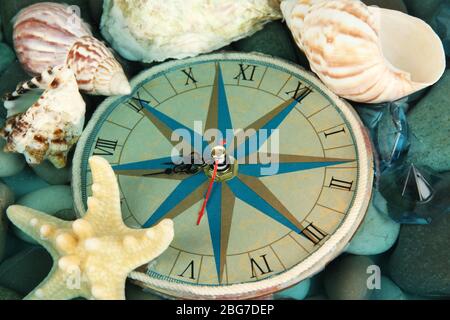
(51,126)
(365,54)
(50,34)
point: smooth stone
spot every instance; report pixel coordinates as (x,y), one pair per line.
(388,291)
(9,9)
(8,294)
(24,271)
(398,5)
(53,175)
(10,163)
(24,182)
(346,278)
(420,262)
(440,23)
(50,200)
(377,233)
(9,80)
(429,124)
(14,245)
(6,57)
(134,292)
(274,39)
(296,292)
(6,199)
(422,9)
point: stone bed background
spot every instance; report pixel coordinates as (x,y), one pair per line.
(414,260)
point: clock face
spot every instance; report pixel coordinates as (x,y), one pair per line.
(291,163)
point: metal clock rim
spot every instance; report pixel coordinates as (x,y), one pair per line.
(314,263)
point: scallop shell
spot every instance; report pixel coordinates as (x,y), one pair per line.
(365,54)
(50,34)
(51,126)
(159,29)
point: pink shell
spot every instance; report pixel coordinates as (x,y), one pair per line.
(44,33)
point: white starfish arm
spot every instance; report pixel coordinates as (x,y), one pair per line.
(104,210)
(38,225)
(57,286)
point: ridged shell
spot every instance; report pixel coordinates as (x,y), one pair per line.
(44,33)
(365,54)
(159,29)
(51,126)
(50,35)
(97,71)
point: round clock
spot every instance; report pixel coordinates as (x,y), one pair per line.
(279,165)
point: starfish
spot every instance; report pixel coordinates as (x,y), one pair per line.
(93,255)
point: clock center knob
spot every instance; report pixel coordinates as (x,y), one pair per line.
(226,165)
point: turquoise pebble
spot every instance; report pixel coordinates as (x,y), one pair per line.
(398,5)
(52,175)
(346,278)
(8,294)
(50,200)
(24,271)
(297,292)
(13,75)
(14,245)
(388,291)
(134,292)
(10,163)
(24,182)
(422,9)
(6,199)
(377,233)
(6,57)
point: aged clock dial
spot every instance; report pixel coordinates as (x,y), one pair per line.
(291,163)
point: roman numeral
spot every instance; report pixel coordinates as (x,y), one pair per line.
(334,132)
(300,92)
(190,270)
(313,234)
(190,76)
(340,184)
(246,72)
(137,104)
(264,270)
(105,147)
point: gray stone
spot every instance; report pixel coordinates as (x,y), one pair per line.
(24,182)
(53,175)
(274,39)
(377,233)
(6,57)
(24,271)
(8,294)
(6,199)
(388,291)
(10,163)
(296,292)
(346,278)
(51,200)
(420,262)
(429,123)
(422,9)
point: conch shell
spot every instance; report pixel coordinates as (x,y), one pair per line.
(157,30)
(50,34)
(51,126)
(365,54)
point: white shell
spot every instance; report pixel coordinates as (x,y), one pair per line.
(365,54)
(50,35)
(51,126)
(157,30)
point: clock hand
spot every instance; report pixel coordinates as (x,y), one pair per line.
(208,193)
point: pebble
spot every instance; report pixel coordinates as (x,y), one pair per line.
(377,233)
(419,265)
(422,9)
(134,292)
(388,291)
(429,122)
(346,278)
(274,39)
(6,199)
(296,292)
(10,163)
(53,175)
(6,57)
(8,294)
(24,182)
(440,23)
(9,80)
(398,5)
(51,200)
(24,271)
